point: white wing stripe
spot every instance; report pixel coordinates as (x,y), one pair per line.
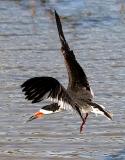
(48,111)
(63,105)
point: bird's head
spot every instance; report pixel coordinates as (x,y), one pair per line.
(36,115)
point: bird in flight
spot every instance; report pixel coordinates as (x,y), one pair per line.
(77,97)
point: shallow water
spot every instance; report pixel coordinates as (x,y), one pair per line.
(29,46)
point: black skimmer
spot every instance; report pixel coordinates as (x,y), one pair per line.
(78,96)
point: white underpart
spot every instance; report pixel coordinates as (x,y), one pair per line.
(47,111)
(97,111)
(102,106)
(92,93)
(63,105)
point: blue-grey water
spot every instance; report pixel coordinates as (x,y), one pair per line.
(29,46)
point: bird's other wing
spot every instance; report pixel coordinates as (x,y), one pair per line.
(39,88)
(51,108)
(77,76)
(54,107)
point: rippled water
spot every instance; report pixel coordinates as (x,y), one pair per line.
(29,46)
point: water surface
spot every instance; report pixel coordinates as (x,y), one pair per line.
(29,46)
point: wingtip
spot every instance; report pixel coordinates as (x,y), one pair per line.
(22,85)
(56,15)
(55,12)
(110,115)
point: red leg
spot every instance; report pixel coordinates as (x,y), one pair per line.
(83,122)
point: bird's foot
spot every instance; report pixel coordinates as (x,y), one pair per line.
(81,127)
(83,122)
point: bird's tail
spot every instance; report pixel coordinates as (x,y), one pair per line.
(99,109)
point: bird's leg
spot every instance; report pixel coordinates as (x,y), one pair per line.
(83,122)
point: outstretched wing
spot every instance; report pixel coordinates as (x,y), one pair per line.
(77,76)
(39,88)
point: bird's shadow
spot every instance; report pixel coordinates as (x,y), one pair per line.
(117,156)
